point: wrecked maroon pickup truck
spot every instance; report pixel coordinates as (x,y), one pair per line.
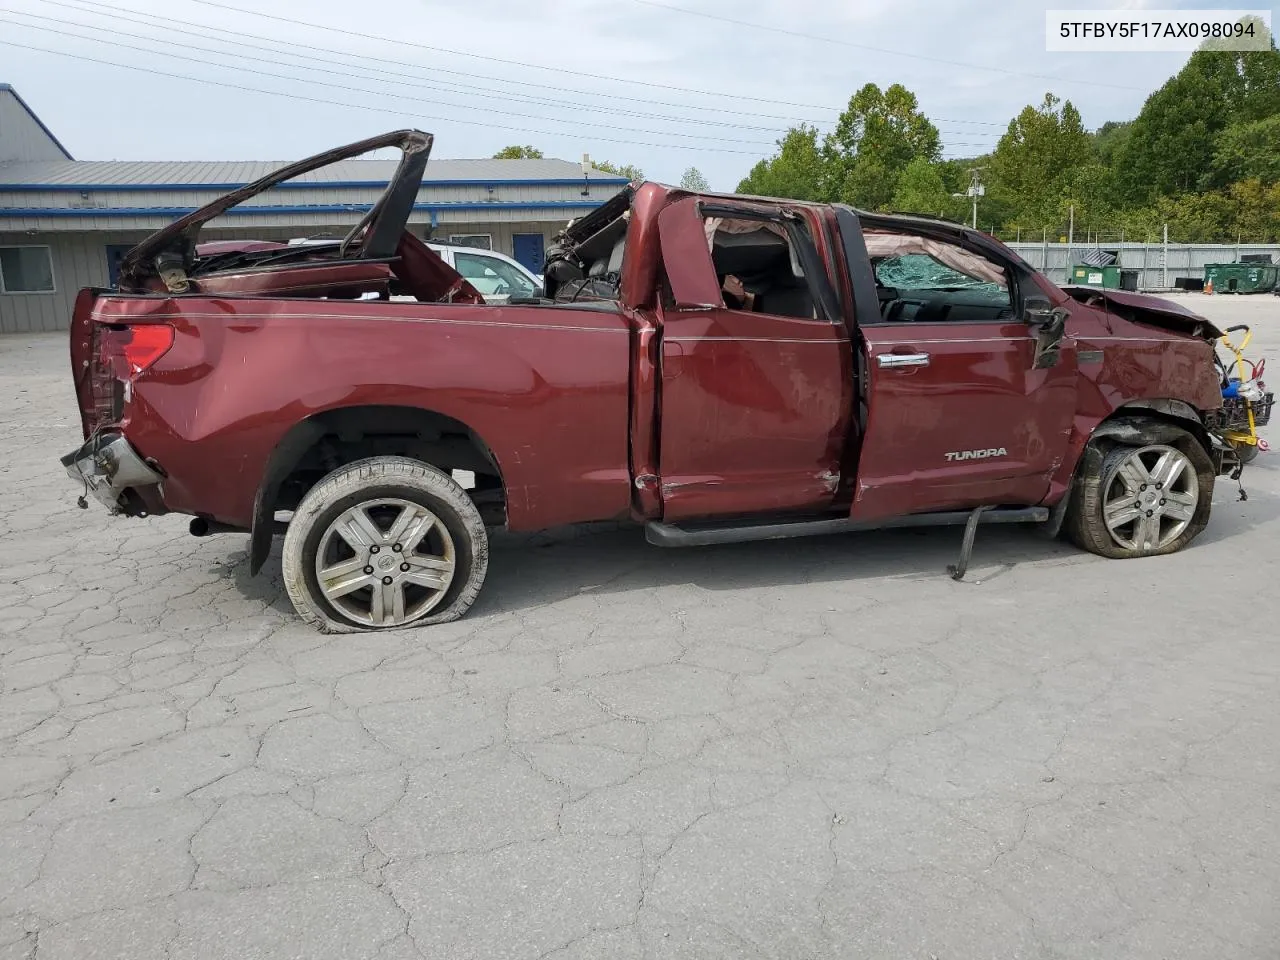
(717,368)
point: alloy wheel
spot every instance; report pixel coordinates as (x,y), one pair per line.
(385,562)
(1150,498)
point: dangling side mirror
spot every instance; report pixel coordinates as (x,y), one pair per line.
(1050,325)
(1037,310)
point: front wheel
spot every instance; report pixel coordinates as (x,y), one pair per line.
(382,543)
(1138,501)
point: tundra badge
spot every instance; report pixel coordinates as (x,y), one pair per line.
(977,454)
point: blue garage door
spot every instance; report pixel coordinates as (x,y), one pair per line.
(115,253)
(530,250)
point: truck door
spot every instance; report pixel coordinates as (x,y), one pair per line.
(756,382)
(964,404)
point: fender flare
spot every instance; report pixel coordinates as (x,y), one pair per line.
(1152,421)
(302,436)
(286,455)
(1138,423)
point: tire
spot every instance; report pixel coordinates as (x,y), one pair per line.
(1112,474)
(347,525)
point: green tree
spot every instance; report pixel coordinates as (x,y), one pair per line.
(1248,150)
(694,181)
(955,172)
(1257,210)
(1208,217)
(1090,189)
(628,170)
(1258,73)
(797,170)
(1173,143)
(1248,210)
(921,189)
(1110,137)
(1034,160)
(517,152)
(879,133)
(1260,77)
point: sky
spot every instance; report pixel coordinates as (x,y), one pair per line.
(662,84)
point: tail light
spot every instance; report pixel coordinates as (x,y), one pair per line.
(129,350)
(120,353)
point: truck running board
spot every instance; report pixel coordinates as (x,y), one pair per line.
(670,535)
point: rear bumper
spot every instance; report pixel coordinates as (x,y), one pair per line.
(113,472)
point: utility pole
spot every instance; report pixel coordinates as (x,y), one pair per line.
(976,190)
(1071,231)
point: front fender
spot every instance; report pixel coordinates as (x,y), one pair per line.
(1136,423)
(1139,428)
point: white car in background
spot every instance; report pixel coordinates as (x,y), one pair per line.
(496,276)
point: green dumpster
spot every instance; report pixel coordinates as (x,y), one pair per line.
(1241,277)
(1108,277)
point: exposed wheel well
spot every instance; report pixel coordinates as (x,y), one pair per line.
(1151,421)
(317,446)
(1136,424)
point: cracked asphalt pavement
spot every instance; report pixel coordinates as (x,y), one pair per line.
(810,749)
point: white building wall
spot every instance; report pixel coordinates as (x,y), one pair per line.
(79,260)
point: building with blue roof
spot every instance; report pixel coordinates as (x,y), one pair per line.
(66,223)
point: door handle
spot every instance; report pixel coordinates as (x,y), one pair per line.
(903,359)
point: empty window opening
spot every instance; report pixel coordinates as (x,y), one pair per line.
(758,269)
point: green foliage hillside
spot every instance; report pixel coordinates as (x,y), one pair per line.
(1203,156)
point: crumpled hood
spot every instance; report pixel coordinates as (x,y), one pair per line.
(1146,309)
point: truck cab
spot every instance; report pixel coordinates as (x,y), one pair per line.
(813,358)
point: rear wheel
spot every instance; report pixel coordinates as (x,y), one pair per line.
(1137,501)
(382,543)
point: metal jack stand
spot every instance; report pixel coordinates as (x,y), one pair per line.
(957,570)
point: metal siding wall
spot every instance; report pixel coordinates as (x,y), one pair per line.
(79,260)
(502,233)
(21,138)
(36,312)
(80,225)
(1184,260)
(99,204)
(78,245)
(301,197)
